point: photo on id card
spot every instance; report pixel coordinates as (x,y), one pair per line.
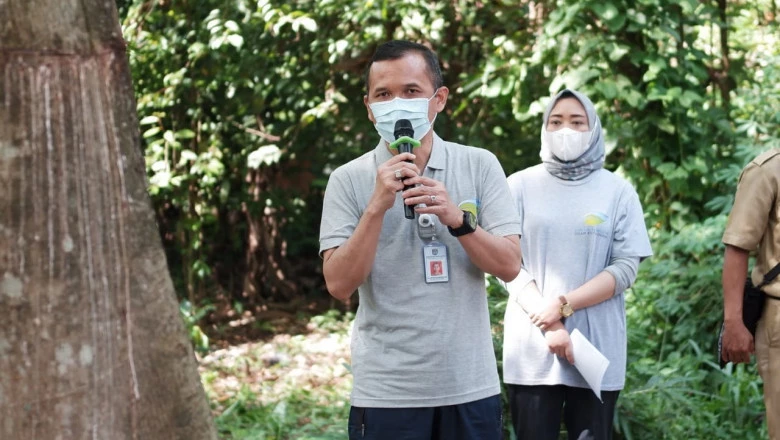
(436,264)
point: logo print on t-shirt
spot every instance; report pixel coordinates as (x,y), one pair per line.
(595,218)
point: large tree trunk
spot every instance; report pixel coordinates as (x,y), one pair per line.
(91,342)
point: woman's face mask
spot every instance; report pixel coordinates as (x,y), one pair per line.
(386,114)
(567,144)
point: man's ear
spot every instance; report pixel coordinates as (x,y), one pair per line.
(368,109)
(441,98)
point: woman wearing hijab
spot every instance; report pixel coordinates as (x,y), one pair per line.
(582,241)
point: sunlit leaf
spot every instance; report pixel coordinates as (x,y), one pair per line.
(268,155)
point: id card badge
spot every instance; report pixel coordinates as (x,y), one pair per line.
(437,268)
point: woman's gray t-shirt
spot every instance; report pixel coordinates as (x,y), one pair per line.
(571,231)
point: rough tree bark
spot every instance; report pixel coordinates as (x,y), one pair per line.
(91,342)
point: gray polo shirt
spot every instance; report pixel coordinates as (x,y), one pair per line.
(416,344)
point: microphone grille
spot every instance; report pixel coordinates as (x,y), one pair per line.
(403,128)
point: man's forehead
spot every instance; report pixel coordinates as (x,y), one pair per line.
(382,85)
(411,67)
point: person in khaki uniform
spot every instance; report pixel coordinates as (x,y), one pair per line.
(754,224)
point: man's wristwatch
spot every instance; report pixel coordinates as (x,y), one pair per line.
(469,225)
(566,309)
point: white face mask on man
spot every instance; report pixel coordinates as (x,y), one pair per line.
(567,144)
(386,113)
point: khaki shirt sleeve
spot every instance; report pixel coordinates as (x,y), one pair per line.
(749,216)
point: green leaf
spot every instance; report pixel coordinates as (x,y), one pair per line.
(151,132)
(231,25)
(149,120)
(610,15)
(307,23)
(617,51)
(187,155)
(161,179)
(268,154)
(235,40)
(169,137)
(185,134)
(160,165)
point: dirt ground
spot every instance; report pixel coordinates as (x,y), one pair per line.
(310,356)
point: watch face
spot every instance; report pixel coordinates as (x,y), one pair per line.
(566,310)
(471,219)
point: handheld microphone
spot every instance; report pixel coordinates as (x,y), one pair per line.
(404,129)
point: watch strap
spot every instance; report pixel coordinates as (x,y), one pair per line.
(463,229)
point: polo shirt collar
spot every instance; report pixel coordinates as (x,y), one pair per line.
(438,157)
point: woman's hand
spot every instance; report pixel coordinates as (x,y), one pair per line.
(559,342)
(547,315)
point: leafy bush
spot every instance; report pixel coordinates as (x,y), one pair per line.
(191,316)
(674,312)
(247,106)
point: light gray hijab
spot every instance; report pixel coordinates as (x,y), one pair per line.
(592,159)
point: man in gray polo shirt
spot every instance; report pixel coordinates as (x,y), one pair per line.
(422,353)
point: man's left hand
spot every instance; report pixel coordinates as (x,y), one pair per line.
(434,195)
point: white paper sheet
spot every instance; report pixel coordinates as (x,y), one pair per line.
(589,361)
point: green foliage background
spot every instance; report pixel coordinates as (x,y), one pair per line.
(247,106)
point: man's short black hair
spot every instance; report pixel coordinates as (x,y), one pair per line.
(395,49)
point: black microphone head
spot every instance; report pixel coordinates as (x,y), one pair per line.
(403,128)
